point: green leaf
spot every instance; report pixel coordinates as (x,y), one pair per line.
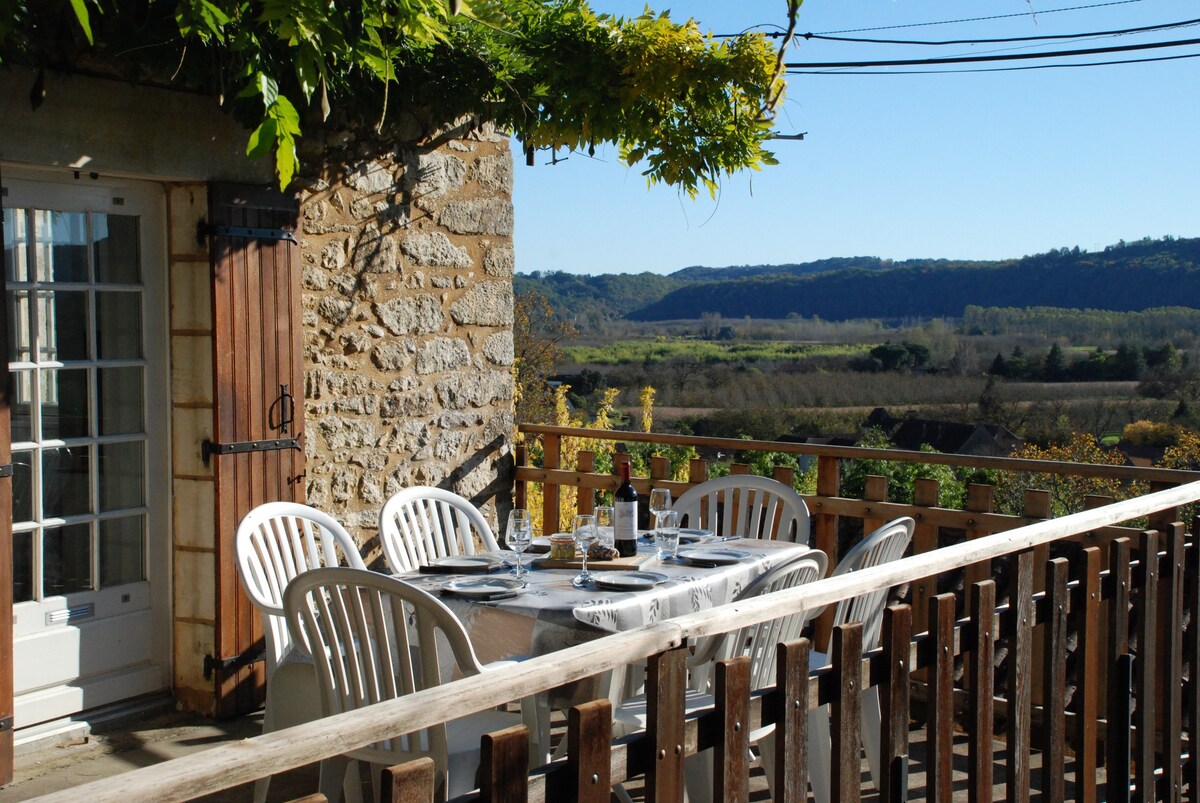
(81,14)
(263,139)
(286,161)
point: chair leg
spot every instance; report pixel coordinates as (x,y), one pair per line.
(871,728)
(820,754)
(334,777)
(698,777)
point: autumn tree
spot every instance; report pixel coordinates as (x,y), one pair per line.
(538,333)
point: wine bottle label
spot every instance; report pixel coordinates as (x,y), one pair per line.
(625,521)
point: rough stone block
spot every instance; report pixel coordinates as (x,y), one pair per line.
(443,354)
(485,304)
(417,315)
(486,216)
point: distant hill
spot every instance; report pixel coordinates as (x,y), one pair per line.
(1122,277)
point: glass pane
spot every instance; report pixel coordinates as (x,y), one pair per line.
(119,326)
(122,475)
(121,551)
(65,486)
(16,252)
(22,567)
(65,411)
(22,486)
(116,249)
(20,400)
(62,246)
(62,325)
(120,400)
(20,327)
(66,559)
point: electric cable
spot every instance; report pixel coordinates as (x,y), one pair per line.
(984,19)
(1093,51)
(996,69)
(1095,34)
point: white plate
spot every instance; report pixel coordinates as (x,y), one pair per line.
(711,557)
(468,563)
(485,587)
(628,581)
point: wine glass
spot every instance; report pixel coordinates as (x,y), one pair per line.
(585,535)
(660,503)
(605,515)
(520,535)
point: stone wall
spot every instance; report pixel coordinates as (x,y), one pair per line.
(408,310)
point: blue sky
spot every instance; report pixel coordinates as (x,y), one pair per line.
(966,166)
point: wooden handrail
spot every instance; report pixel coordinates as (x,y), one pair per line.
(860,452)
(234,764)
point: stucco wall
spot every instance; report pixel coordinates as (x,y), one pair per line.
(408,265)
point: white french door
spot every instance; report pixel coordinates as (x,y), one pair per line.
(85,274)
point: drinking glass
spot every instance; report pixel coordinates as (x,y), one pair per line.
(584,534)
(520,535)
(666,536)
(660,503)
(604,524)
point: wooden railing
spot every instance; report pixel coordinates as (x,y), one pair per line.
(1129,727)
(828,508)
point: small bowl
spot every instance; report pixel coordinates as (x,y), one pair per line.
(562,547)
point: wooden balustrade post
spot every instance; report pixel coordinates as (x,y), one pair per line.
(731,769)
(697,471)
(585,499)
(1191,654)
(894,704)
(939,749)
(1145,668)
(784,474)
(666,684)
(589,741)
(410,782)
(1085,610)
(981,702)
(551,454)
(1170,679)
(1054,678)
(926,493)
(825,533)
(1161,520)
(520,487)
(660,468)
(980,499)
(503,764)
(1018,633)
(787,705)
(875,490)
(1037,506)
(1120,686)
(845,713)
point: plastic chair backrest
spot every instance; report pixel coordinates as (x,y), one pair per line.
(421,524)
(758,641)
(885,544)
(375,638)
(277,541)
(746,505)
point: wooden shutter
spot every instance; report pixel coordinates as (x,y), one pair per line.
(257,377)
(6,545)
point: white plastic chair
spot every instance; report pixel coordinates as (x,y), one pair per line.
(885,544)
(745,505)
(757,641)
(375,638)
(274,543)
(421,524)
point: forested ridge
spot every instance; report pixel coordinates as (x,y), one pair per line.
(1123,277)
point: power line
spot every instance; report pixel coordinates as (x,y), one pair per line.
(984,19)
(975,59)
(1123,32)
(997,69)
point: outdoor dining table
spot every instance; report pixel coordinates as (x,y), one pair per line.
(550,614)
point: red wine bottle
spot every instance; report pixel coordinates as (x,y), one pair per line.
(625,515)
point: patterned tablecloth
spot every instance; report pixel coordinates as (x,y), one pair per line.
(551,614)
